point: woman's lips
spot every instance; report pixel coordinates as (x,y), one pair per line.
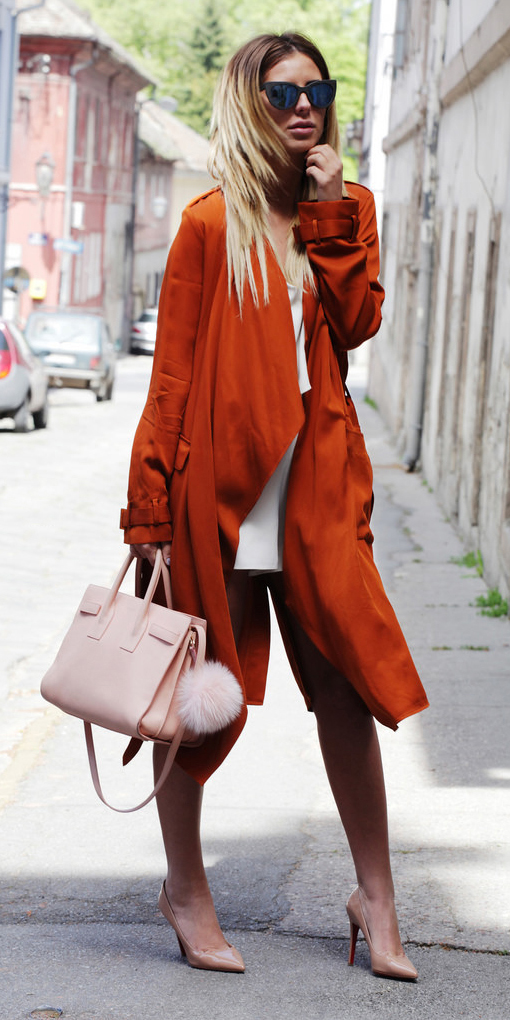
(304,129)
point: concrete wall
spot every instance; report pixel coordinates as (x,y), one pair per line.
(465,447)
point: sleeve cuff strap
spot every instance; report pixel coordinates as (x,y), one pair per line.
(157,513)
(321,230)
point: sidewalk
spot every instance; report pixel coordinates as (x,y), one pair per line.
(80,929)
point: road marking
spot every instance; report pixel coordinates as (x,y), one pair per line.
(26,754)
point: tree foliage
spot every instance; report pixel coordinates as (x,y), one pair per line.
(184,45)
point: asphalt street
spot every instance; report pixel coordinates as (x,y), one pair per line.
(80,930)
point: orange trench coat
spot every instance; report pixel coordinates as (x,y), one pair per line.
(223,406)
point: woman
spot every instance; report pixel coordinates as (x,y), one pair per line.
(250,471)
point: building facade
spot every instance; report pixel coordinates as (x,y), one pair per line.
(71,197)
(440,368)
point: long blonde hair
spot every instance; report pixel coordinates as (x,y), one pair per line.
(245,144)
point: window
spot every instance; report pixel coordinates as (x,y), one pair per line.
(97,132)
(142,184)
(87,270)
(485,362)
(128,139)
(400,39)
(463,343)
(447,326)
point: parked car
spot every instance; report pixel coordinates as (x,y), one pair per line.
(23,381)
(76,349)
(143,332)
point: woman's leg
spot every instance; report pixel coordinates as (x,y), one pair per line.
(350,749)
(179,806)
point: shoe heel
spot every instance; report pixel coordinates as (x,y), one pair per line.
(352,946)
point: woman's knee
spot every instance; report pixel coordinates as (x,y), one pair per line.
(335,697)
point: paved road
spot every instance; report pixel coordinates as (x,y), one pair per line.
(80,929)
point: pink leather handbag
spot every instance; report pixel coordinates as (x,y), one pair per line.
(139,668)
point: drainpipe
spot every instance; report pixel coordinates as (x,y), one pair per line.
(130,226)
(65,266)
(8,70)
(427,239)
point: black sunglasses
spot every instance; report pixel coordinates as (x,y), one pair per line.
(283,95)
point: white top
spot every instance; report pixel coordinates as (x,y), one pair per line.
(260,546)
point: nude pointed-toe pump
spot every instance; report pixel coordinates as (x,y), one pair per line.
(383,964)
(205,959)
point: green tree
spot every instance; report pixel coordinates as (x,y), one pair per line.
(208,38)
(184,45)
(203,58)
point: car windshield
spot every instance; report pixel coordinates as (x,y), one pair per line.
(63,329)
(148,316)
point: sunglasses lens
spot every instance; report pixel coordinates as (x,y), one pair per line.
(321,94)
(282,95)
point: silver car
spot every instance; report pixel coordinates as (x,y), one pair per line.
(143,332)
(23,381)
(76,349)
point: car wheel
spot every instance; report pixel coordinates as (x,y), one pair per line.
(41,416)
(22,417)
(105,393)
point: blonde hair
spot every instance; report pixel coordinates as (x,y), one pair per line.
(245,143)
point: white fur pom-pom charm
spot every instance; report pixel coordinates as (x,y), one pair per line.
(208,698)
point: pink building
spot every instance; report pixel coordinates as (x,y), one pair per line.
(72,200)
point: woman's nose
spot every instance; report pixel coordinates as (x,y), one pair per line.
(303,104)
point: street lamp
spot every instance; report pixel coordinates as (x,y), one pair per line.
(44,172)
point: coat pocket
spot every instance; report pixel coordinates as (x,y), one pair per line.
(361,475)
(182,453)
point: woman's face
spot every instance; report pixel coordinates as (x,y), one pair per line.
(303,124)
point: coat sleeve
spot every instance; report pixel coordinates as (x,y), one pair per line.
(343,248)
(147,516)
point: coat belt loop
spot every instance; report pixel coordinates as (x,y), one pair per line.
(316,234)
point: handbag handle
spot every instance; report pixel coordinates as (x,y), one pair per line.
(164,572)
(159,568)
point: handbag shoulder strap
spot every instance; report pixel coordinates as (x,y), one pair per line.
(169,760)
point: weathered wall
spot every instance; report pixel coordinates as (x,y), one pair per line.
(465,448)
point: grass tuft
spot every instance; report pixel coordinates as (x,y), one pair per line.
(471,560)
(371,403)
(492,604)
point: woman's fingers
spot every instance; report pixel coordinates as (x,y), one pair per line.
(325,166)
(148,550)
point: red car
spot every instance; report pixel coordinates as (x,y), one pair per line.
(23,381)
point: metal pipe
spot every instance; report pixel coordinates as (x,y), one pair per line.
(427,239)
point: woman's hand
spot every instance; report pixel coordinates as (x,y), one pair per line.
(148,551)
(325,166)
